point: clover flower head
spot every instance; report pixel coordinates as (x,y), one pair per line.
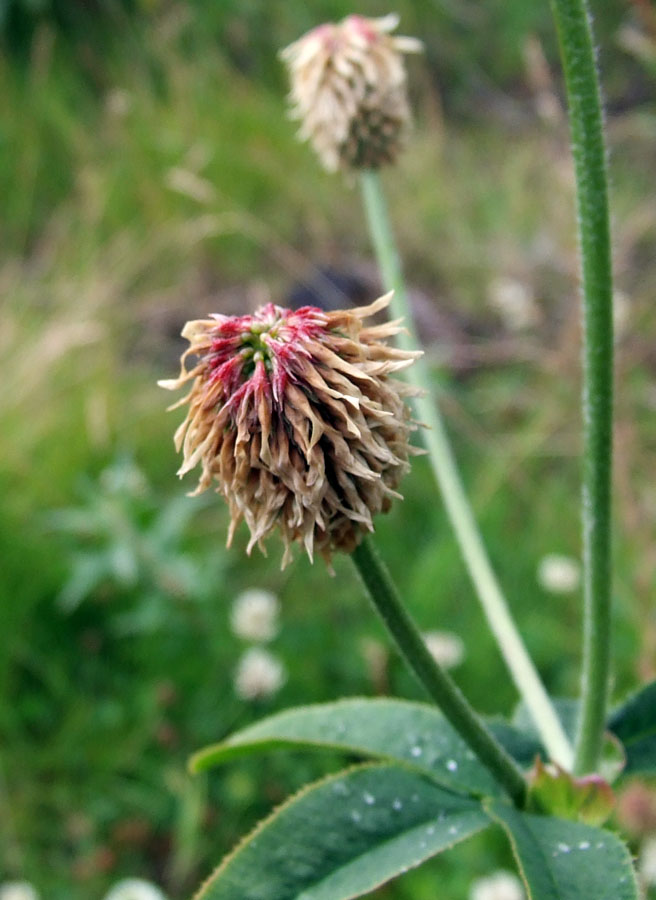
(135,889)
(293,415)
(559,574)
(647,861)
(348,89)
(18,890)
(514,302)
(254,615)
(446,648)
(500,885)
(259,674)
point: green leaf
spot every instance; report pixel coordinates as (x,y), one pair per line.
(521,746)
(561,860)
(634,723)
(89,570)
(414,734)
(344,836)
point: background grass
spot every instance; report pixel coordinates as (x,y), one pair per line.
(148,174)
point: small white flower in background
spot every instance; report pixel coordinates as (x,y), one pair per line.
(446,648)
(647,861)
(621,314)
(559,574)
(254,615)
(514,303)
(118,103)
(498,886)
(135,889)
(259,674)
(18,890)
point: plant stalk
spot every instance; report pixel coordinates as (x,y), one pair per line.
(588,150)
(495,607)
(434,679)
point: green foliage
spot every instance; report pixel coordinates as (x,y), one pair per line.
(634,723)
(75,18)
(106,251)
(562,860)
(129,542)
(414,734)
(325,842)
(344,836)
(476,51)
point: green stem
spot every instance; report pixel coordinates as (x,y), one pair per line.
(437,683)
(446,473)
(586,125)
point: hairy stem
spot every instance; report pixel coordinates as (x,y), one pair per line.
(446,473)
(588,150)
(434,679)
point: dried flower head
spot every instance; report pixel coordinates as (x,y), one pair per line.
(294,416)
(348,89)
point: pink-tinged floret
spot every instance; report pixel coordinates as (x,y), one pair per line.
(273,333)
(363,27)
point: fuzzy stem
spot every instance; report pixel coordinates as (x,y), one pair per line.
(495,607)
(437,683)
(586,126)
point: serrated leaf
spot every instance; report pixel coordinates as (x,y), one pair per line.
(344,836)
(634,723)
(414,734)
(561,860)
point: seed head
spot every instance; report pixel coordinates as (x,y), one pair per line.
(348,89)
(293,416)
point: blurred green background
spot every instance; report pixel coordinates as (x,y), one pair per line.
(149,174)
